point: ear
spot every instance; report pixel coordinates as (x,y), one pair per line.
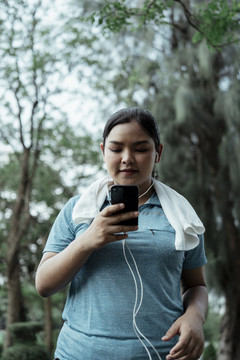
(102,148)
(159,153)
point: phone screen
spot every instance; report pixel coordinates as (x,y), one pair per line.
(127,194)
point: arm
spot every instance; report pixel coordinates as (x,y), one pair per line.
(190,325)
(56,270)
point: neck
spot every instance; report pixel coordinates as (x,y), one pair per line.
(146,194)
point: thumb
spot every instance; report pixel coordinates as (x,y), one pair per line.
(172,331)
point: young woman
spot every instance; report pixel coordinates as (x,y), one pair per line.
(136,292)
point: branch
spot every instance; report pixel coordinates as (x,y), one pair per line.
(34,106)
(189,17)
(113,17)
(37,149)
(32,39)
(19,115)
(193,22)
(151,3)
(15,90)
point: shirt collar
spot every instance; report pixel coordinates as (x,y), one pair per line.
(153,200)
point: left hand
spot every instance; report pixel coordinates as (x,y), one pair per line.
(191,340)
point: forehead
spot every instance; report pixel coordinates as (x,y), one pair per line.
(131,131)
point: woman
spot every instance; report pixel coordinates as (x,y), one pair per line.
(136,291)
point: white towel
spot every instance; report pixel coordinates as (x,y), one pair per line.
(177,209)
(181,216)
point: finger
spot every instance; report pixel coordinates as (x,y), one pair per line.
(117,237)
(112,209)
(125,216)
(172,331)
(187,350)
(115,229)
(182,347)
(188,356)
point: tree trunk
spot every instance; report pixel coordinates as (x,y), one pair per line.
(48,324)
(227,251)
(229,348)
(15,309)
(19,223)
(229,345)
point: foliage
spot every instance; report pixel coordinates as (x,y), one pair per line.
(116,14)
(25,343)
(210,352)
(45,158)
(216,21)
(25,332)
(212,325)
(28,352)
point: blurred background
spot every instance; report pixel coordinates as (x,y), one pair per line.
(65,68)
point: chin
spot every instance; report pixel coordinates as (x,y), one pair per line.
(125,181)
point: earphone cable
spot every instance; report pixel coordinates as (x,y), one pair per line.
(136,308)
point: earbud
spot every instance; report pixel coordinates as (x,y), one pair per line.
(157,158)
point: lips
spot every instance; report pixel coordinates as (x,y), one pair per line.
(128,172)
(128,169)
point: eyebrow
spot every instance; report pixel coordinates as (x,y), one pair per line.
(141,142)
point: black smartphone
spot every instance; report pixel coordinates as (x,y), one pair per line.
(127,194)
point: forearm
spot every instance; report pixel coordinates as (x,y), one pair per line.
(195,302)
(55,272)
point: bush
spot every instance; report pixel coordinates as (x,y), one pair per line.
(25,346)
(25,352)
(210,353)
(23,332)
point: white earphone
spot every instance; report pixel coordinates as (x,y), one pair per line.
(157,158)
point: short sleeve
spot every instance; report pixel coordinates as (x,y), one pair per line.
(63,231)
(196,257)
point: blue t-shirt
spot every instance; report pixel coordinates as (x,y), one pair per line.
(98,315)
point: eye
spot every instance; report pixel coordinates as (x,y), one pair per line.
(141,150)
(115,150)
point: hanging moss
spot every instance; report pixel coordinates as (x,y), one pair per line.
(205,61)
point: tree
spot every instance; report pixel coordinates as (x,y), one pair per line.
(216,21)
(36,135)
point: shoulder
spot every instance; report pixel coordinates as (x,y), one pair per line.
(71,202)
(66,211)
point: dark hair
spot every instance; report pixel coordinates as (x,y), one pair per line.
(143,117)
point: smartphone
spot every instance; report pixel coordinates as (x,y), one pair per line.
(127,194)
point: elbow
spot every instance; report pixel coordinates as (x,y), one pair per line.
(42,292)
(41,288)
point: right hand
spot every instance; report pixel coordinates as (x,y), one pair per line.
(56,270)
(104,230)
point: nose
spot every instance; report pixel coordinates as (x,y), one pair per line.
(127,157)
